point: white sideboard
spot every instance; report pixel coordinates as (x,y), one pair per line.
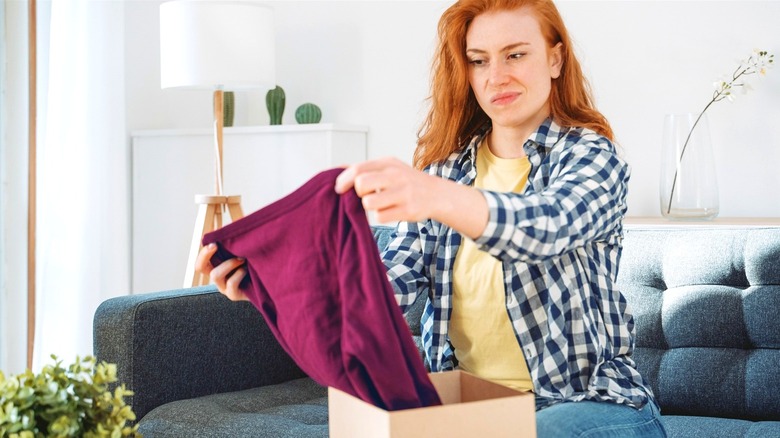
(725,222)
(262,164)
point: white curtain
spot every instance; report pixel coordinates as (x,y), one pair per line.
(83,233)
(13,186)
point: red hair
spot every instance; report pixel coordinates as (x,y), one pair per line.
(455,116)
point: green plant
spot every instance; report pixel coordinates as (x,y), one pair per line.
(758,62)
(308,113)
(274,101)
(65,402)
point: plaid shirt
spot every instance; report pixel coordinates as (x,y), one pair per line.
(559,243)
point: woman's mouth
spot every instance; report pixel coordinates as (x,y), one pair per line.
(504,98)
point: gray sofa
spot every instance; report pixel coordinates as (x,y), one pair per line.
(707,313)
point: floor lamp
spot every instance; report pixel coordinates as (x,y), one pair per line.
(215,45)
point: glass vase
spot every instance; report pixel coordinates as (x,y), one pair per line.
(689,187)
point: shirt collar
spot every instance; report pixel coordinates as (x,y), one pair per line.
(546,136)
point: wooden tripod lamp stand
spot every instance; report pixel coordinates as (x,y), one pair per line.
(211,207)
(215,45)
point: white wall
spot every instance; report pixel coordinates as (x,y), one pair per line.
(366,62)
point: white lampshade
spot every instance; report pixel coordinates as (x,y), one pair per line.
(217,44)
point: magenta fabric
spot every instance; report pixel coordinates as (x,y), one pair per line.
(316,276)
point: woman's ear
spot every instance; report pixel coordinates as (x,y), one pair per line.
(556,60)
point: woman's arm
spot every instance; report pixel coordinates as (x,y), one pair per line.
(583,200)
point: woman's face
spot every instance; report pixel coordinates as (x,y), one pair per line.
(511,68)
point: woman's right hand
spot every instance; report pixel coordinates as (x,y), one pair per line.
(227,285)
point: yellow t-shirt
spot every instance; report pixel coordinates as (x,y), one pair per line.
(480,329)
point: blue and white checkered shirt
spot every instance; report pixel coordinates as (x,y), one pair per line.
(559,243)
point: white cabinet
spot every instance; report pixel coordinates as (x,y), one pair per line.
(725,222)
(262,164)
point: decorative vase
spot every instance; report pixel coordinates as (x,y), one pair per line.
(228,108)
(274,101)
(689,188)
(308,113)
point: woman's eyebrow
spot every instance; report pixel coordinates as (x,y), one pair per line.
(503,49)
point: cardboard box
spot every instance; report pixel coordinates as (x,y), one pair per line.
(472,407)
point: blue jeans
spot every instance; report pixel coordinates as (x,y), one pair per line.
(593,419)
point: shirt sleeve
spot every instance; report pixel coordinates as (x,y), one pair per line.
(582,201)
(406,260)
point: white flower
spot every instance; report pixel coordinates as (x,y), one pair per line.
(758,62)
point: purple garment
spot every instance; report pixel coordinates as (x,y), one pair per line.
(315,274)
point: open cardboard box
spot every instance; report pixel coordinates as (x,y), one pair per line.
(472,407)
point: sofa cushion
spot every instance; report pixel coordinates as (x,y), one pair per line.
(298,408)
(696,427)
(705,306)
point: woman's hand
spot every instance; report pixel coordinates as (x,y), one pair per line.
(398,192)
(391,188)
(228,286)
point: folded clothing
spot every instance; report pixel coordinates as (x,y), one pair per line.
(315,274)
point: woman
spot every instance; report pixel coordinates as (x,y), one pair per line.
(511,223)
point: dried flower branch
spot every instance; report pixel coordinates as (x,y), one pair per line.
(758,62)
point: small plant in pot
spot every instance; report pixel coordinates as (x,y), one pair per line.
(72,401)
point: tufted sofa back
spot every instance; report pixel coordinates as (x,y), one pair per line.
(706,304)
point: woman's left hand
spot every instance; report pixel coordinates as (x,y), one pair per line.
(398,192)
(391,188)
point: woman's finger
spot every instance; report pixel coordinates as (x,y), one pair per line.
(203,261)
(219,275)
(346,179)
(232,289)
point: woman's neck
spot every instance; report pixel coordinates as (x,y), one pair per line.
(507,143)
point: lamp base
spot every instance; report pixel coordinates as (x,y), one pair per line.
(210,209)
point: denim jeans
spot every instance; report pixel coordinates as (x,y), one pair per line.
(593,419)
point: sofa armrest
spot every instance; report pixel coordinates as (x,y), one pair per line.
(187,343)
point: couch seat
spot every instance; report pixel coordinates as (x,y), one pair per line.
(294,409)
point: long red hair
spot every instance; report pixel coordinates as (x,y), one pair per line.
(455,116)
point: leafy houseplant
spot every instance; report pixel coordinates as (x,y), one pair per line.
(65,402)
(758,62)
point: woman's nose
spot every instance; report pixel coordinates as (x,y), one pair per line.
(498,73)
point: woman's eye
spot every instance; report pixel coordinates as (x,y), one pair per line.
(477,62)
(517,55)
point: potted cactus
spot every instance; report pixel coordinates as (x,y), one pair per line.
(308,113)
(274,101)
(228,108)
